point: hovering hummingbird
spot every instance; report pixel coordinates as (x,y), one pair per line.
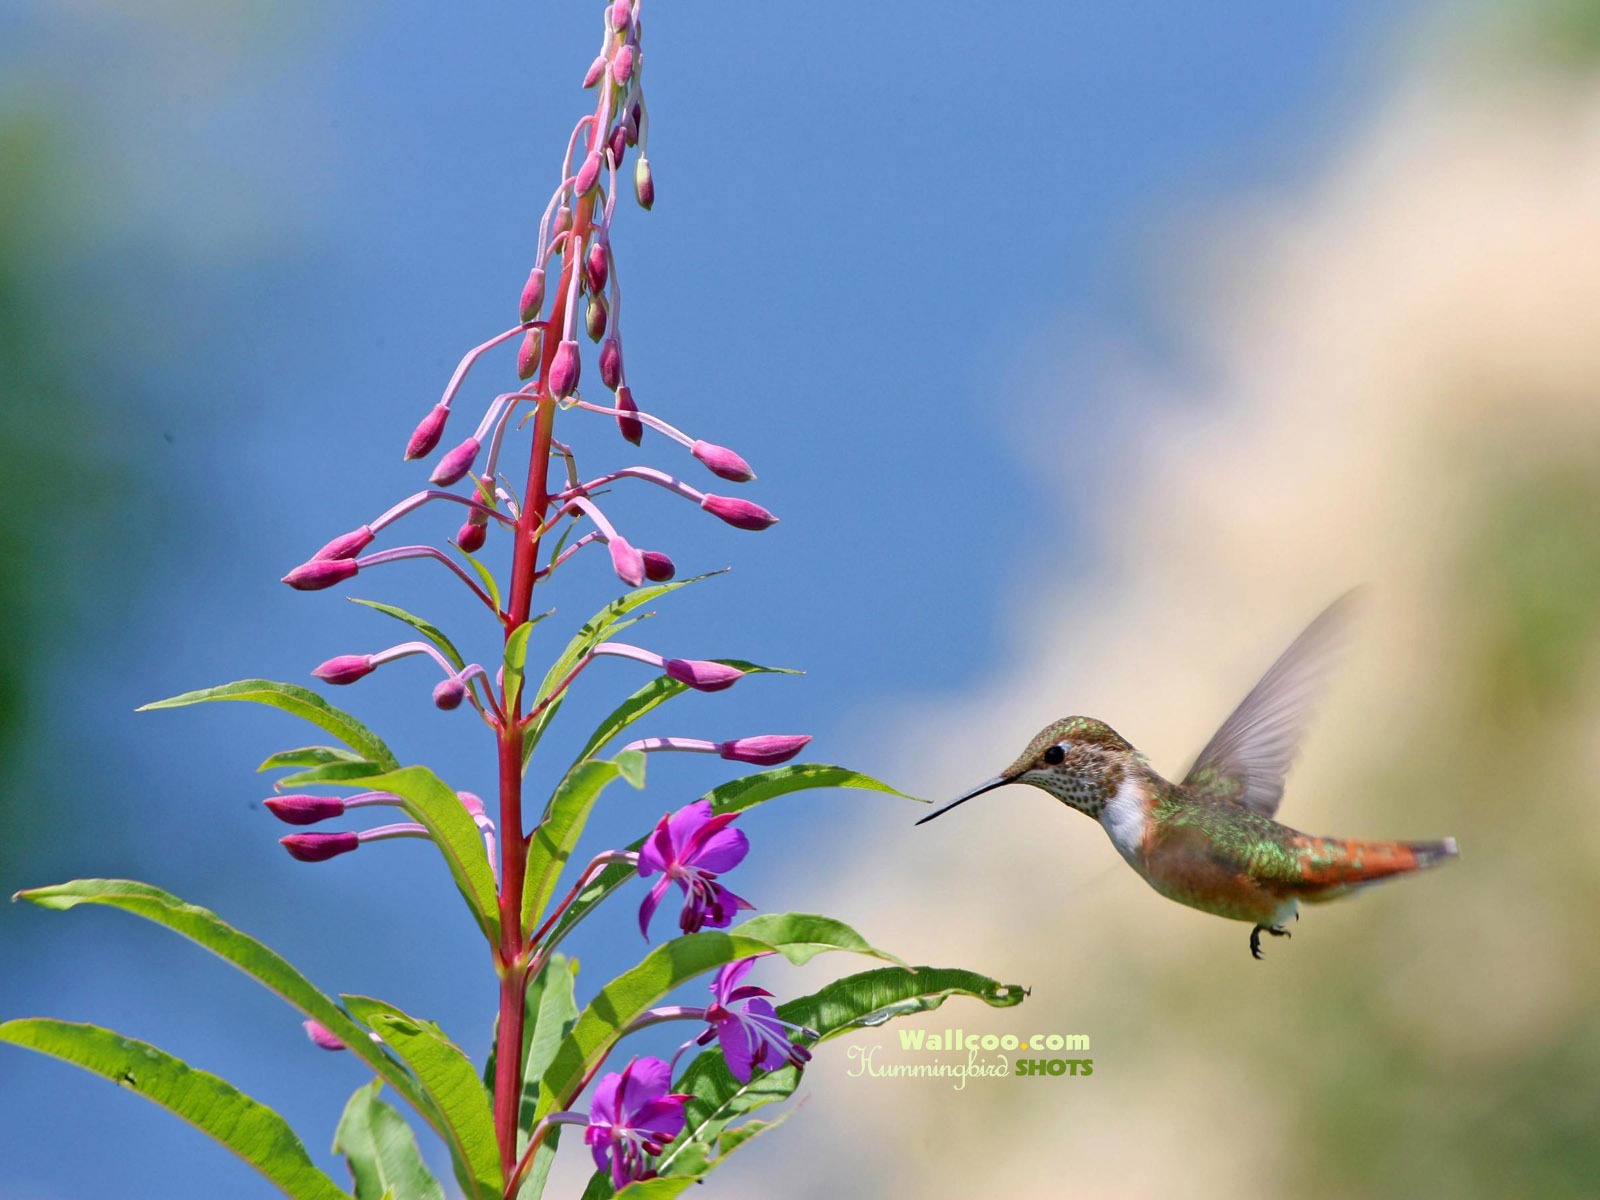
(1210,842)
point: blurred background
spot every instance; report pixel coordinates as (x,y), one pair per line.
(1086,354)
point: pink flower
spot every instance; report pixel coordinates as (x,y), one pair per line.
(691,848)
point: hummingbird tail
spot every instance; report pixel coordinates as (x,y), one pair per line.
(1331,867)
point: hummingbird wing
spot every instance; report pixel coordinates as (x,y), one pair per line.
(1246,760)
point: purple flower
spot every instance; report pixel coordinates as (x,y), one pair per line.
(449,693)
(457,463)
(722,462)
(691,848)
(632,1119)
(347,545)
(753,1036)
(471,536)
(428,432)
(345,668)
(321,573)
(741,514)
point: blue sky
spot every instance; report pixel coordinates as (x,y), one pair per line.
(866,222)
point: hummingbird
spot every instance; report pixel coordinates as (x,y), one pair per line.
(1210,841)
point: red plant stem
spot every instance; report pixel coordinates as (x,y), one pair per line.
(512,960)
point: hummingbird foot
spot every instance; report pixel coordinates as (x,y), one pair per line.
(1255,937)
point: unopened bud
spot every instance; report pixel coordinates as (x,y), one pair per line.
(345,668)
(622,64)
(427,433)
(304,810)
(472,535)
(767,750)
(631,428)
(565,369)
(563,219)
(702,675)
(320,573)
(630,127)
(611,363)
(722,462)
(644,184)
(456,464)
(449,694)
(626,561)
(594,318)
(533,294)
(617,144)
(588,173)
(658,568)
(596,70)
(741,514)
(621,14)
(597,266)
(530,354)
(319,847)
(321,1036)
(347,545)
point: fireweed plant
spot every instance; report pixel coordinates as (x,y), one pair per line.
(652,1126)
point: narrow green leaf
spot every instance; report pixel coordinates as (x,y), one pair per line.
(309,756)
(627,996)
(552,1012)
(302,703)
(330,773)
(516,659)
(558,832)
(429,801)
(735,796)
(652,696)
(449,1078)
(800,937)
(427,630)
(381,1151)
(856,1001)
(490,584)
(247,1127)
(205,928)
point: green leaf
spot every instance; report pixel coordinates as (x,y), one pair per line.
(381,1151)
(302,703)
(330,773)
(552,1012)
(247,1127)
(309,756)
(559,829)
(273,972)
(652,696)
(429,801)
(625,998)
(867,999)
(449,1078)
(735,796)
(692,1168)
(490,584)
(427,630)
(598,628)
(516,659)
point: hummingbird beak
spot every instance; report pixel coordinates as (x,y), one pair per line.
(986,786)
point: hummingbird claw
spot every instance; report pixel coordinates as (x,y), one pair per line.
(1255,938)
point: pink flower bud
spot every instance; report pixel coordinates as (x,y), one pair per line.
(450,693)
(304,810)
(320,573)
(701,675)
(622,64)
(617,144)
(597,266)
(722,462)
(563,219)
(611,363)
(472,802)
(533,294)
(456,464)
(658,568)
(621,14)
(644,184)
(319,847)
(426,436)
(530,354)
(346,545)
(588,173)
(630,127)
(321,1036)
(626,561)
(345,668)
(631,428)
(565,369)
(768,750)
(741,514)
(471,536)
(596,70)
(594,318)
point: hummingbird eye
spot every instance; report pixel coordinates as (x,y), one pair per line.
(1055,755)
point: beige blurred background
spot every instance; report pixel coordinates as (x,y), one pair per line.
(1403,390)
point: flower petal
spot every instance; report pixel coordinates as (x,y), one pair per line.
(723,851)
(648,908)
